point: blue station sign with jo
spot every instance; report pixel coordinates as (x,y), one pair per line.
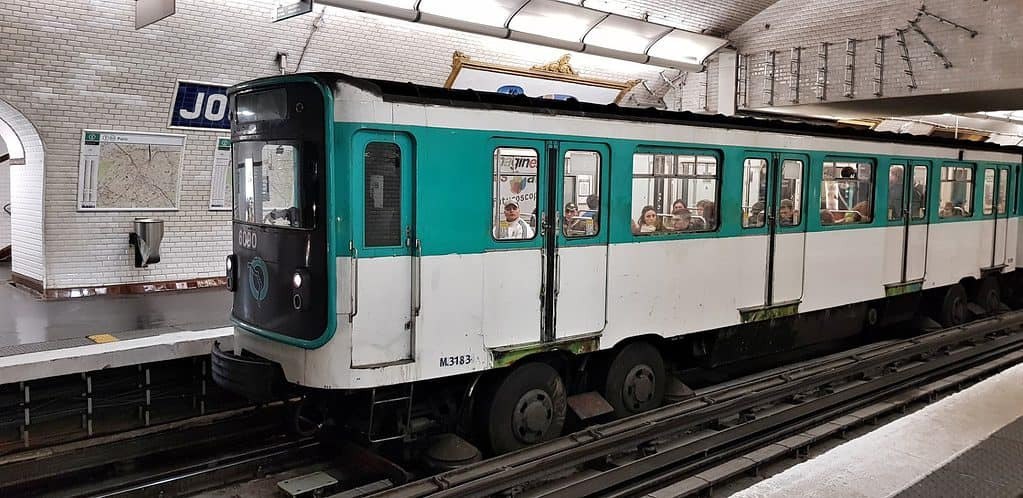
(200,105)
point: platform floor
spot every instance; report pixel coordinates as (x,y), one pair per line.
(29,324)
(968,444)
(993,468)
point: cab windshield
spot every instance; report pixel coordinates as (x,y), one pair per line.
(268,184)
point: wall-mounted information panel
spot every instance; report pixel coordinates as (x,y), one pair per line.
(129,171)
(221,179)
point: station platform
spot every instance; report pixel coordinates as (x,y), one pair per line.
(45,338)
(968,444)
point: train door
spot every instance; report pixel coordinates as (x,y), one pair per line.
(787,228)
(383,322)
(1000,179)
(579,285)
(515,270)
(907,203)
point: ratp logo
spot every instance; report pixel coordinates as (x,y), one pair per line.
(259,277)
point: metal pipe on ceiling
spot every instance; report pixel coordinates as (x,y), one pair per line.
(416,16)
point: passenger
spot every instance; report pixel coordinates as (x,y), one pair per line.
(647,222)
(848,172)
(574,224)
(710,215)
(681,220)
(862,209)
(895,192)
(593,209)
(787,213)
(678,204)
(756,215)
(513,226)
(948,210)
(827,218)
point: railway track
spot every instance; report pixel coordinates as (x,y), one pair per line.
(660,449)
(722,431)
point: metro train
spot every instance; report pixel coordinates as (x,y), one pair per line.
(419,259)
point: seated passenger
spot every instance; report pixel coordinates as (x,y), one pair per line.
(710,215)
(948,210)
(647,222)
(681,220)
(862,209)
(756,215)
(593,205)
(787,213)
(827,218)
(513,226)
(574,224)
(678,204)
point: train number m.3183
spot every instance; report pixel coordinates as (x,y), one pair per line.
(450,361)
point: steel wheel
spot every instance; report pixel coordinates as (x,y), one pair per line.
(635,379)
(526,407)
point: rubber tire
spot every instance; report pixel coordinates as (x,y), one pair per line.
(988,295)
(495,412)
(630,356)
(955,296)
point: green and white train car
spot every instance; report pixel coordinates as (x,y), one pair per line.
(372,249)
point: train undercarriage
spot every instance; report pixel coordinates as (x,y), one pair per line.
(456,420)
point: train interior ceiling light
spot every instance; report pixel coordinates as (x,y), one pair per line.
(560,24)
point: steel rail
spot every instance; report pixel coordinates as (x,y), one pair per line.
(737,440)
(530,464)
(203,475)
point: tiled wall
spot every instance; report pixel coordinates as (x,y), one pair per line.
(68,65)
(988,61)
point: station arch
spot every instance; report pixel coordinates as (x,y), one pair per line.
(25,167)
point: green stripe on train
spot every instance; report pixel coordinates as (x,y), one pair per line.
(453,187)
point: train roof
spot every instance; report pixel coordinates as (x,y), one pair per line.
(392,91)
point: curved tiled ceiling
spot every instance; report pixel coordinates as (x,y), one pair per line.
(673,33)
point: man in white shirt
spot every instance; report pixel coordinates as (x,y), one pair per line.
(513,226)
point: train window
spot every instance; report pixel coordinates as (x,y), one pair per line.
(918,196)
(896,186)
(791,192)
(847,189)
(1003,182)
(581,191)
(515,193)
(956,192)
(267,192)
(989,191)
(382,214)
(674,193)
(754,192)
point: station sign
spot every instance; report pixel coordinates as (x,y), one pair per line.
(200,106)
(287,9)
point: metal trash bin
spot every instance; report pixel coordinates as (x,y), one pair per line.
(146,238)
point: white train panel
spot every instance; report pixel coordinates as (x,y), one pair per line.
(842,267)
(381,330)
(891,264)
(582,296)
(916,253)
(671,287)
(954,252)
(511,296)
(789,250)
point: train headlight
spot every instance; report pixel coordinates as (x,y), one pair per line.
(231,280)
(300,289)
